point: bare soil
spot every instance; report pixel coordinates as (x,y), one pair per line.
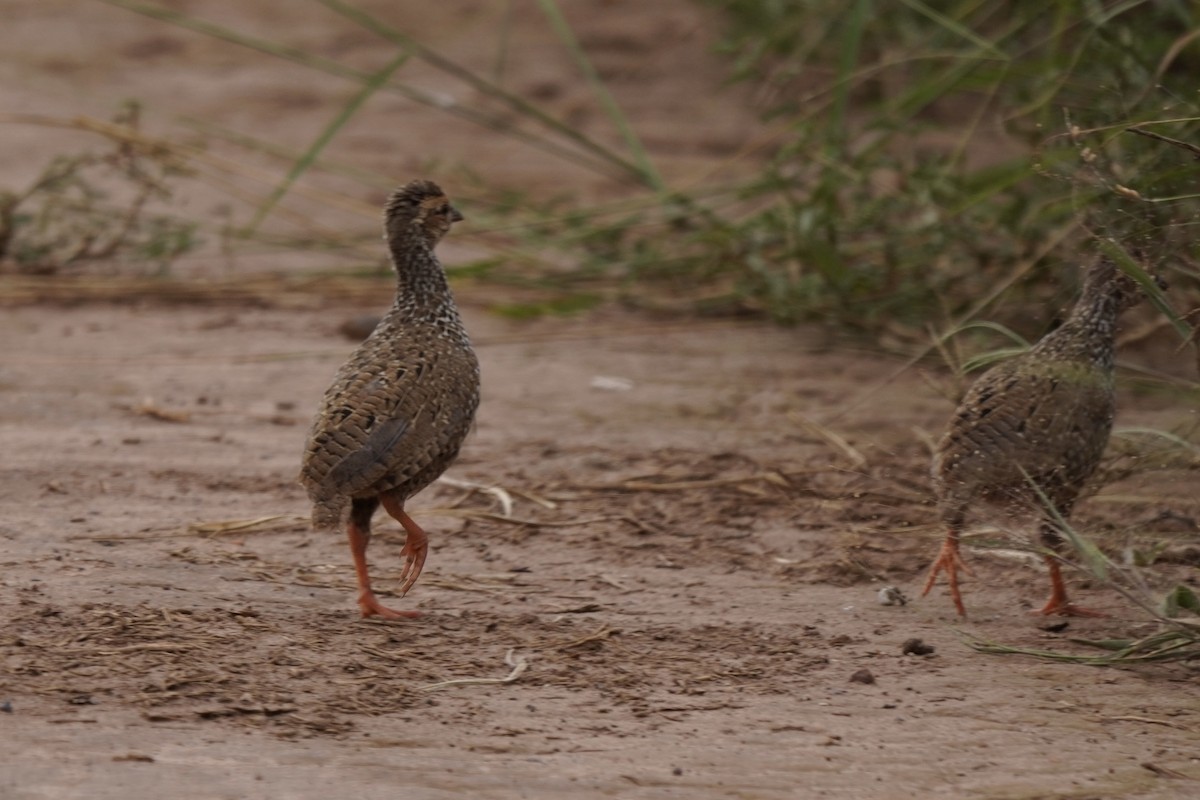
(682,601)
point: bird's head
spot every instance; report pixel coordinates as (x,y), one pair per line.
(421,210)
(1106,277)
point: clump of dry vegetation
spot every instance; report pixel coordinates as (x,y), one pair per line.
(97,208)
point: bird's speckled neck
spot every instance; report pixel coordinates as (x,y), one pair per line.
(1088,332)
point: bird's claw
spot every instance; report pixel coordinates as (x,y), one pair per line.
(949,560)
(414,561)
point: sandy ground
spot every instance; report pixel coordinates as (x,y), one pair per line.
(684,597)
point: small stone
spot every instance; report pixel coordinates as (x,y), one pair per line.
(916,647)
(864,675)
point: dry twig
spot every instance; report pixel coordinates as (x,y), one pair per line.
(518,663)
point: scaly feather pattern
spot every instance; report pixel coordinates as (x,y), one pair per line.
(1042,417)
(399,409)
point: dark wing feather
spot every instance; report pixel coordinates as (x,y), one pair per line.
(394,417)
(369,463)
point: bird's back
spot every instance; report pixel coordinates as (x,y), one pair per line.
(1035,417)
(1044,416)
(395,415)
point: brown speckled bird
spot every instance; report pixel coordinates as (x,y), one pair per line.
(1044,416)
(399,409)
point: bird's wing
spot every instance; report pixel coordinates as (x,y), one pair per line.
(384,420)
(1029,419)
(369,462)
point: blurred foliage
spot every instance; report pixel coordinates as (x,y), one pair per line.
(95,208)
(921,165)
(927,159)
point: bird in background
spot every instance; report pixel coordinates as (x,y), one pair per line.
(1041,418)
(399,409)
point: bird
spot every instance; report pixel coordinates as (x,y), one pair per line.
(1042,418)
(399,409)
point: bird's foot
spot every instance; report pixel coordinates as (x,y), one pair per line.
(371,607)
(1058,604)
(950,560)
(416,543)
(414,552)
(1063,608)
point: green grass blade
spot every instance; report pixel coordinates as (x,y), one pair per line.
(306,160)
(955,28)
(600,160)
(567,37)
(856,22)
(266,46)
(1092,556)
(1178,441)
(1181,598)
(1135,270)
(1005,331)
(279,151)
(484,86)
(981,360)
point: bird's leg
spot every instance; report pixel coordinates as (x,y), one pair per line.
(1058,603)
(950,560)
(358,530)
(416,545)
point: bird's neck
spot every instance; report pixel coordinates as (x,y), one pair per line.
(420,278)
(1089,331)
(422,292)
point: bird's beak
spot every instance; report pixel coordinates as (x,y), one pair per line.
(455,215)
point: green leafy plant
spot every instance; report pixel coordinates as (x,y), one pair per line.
(926,165)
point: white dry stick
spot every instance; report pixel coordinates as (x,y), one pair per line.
(609,383)
(834,440)
(518,663)
(505,499)
(611,581)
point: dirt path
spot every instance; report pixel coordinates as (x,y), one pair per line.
(697,639)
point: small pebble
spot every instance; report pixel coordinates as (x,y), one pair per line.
(892,596)
(864,675)
(6,706)
(916,647)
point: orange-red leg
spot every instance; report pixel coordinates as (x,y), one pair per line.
(1058,603)
(416,545)
(950,560)
(358,530)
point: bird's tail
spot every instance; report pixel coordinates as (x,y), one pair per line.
(327,515)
